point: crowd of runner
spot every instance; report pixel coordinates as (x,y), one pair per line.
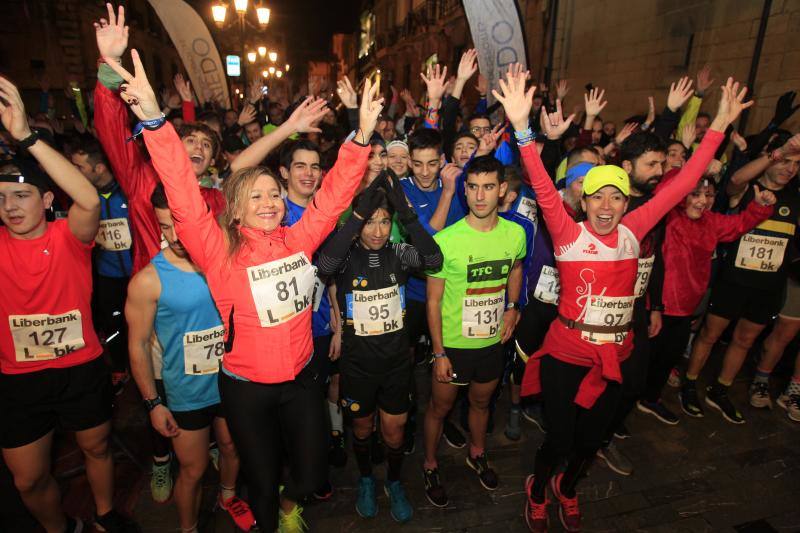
(271,275)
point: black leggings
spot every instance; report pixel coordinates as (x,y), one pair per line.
(574,434)
(269,422)
(667,349)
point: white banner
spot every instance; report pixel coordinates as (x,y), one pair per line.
(498,37)
(198,52)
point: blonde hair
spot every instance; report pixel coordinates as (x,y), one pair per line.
(237,189)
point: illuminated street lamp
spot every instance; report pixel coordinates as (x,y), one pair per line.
(218,12)
(263,15)
(271,70)
(273,56)
(265,73)
(251,57)
(287,67)
(278,73)
(241,6)
(262,51)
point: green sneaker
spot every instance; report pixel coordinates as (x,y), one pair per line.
(292,522)
(161,482)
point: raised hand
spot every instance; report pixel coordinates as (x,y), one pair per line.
(763,197)
(625,132)
(731,105)
(112,35)
(489,141)
(594,103)
(738,141)
(247,115)
(346,93)
(136,90)
(553,124)
(688,135)
(411,106)
(449,174)
(12,111)
(254,91)
(516,101)
(678,93)
(183,87)
(483,85)
(468,65)
(371,107)
(436,80)
(784,108)
(790,147)
(704,80)
(307,115)
(562,88)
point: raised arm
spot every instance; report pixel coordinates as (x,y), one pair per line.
(84,215)
(731,104)
(731,227)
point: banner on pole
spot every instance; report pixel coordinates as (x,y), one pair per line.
(498,37)
(198,52)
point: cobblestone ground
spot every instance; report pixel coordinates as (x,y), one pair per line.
(701,475)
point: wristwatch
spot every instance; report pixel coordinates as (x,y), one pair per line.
(512,305)
(151,404)
(30,140)
(439,355)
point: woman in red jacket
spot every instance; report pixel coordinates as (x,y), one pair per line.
(597,263)
(262,280)
(692,234)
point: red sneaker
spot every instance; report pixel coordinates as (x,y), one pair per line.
(535,513)
(239,512)
(568,512)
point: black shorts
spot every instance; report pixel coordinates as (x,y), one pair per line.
(390,391)
(480,365)
(71,399)
(733,301)
(198,418)
(415,321)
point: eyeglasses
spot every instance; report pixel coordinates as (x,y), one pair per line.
(478,130)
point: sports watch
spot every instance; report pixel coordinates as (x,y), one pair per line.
(151,404)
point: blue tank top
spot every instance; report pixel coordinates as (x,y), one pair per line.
(190,331)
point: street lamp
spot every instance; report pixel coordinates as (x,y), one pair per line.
(265,73)
(251,57)
(271,70)
(263,15)
(273,56)
(262,51)
(278,73)
(287,67)
(241,6)
(218,12)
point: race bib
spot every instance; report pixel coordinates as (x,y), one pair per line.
(282,289)
(643,275)
(527,208)
(45,337)
(377,312)
(203,350)
(481,315)
(607,311)
(548,286)
(761,252)
(114,235)
(316,297)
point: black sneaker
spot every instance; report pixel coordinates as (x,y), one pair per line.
(114,522)
(337,455)
(719,400)
(324,493)
(377,452)
(622,432)
(433,488)
(74,525)
(486,474)
(690,403)
(453,436)
(658,410)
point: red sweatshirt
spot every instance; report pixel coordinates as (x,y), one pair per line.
(617,275)
(688,248)
(135,175)
(263,293)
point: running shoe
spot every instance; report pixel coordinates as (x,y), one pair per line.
(622,432)
(486,474)
(337,455)
(452,435)
(568,512)
(674,379)
(366,504)
(535,513)
(324,493)
(690,403)
(74,525)
(792,405)
(292,522)
(658,410)
(161,482)
(719,400)
(615,459)
(513,431)
(239,512)
(759,395)
(433,488)
(376,449)
(213,456)
(401,509)
(533,414)
(114,522)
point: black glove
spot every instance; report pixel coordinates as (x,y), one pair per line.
(784,109)
(370,198)
(397,197)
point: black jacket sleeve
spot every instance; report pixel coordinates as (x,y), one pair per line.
(334,254)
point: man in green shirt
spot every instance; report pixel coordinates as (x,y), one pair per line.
(472,310)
